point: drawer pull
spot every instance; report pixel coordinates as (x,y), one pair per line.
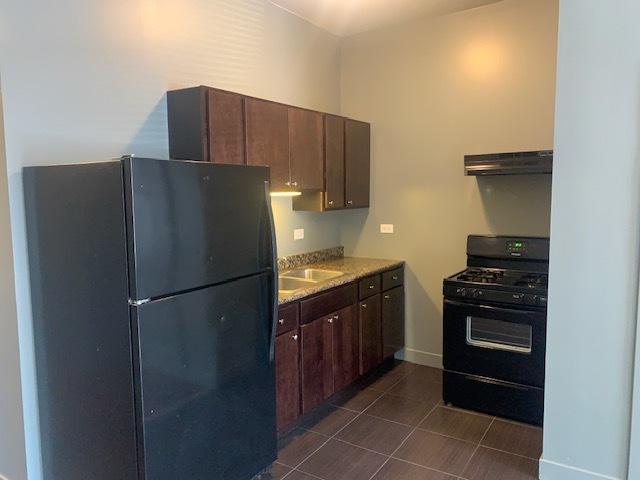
(281,321)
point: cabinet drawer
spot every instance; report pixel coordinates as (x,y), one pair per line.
(328,302)
(369,286)
(392,278)
(287,318)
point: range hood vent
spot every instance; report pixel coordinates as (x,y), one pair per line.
(516,163)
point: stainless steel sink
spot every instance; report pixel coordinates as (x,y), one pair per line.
(289,285)
(312,274)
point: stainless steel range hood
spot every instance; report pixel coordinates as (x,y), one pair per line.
(515,163)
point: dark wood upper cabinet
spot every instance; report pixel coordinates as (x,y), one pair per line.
(287,378)
(357,159)
(226,127)
(370,333)
(345,347)
(306,134)
(267,130)
(392,321)
(334,162)
(317,362)
(206,124)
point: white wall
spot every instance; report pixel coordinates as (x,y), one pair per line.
(594,251)
(85,80)
(12,455)
(478,81)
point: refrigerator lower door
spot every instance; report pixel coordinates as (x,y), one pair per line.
(206,383)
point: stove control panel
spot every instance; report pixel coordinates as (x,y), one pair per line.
(516,248)
(489,295)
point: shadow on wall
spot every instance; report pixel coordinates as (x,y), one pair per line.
(500,194)
(151,139)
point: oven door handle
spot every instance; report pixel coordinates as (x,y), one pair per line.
(510,311)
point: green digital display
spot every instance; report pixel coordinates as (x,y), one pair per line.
(517,244)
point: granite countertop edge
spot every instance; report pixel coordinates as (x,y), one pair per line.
(354,268)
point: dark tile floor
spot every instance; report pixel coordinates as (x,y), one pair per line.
(394,426)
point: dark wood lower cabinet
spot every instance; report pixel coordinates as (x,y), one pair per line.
(345,347)
(287,378)
(317,362)
(370,333)
(392,321)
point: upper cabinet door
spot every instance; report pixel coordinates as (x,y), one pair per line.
(334,162)
(357,157)
(226,127)
(268,139)
(305,145)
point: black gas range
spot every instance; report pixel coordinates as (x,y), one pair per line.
(494,328)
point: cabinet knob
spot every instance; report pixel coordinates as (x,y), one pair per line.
(350,202)
(330,320)
(364,305)
(395,277)
(281,321)
(336,317)
(288,184)
(295,184)
(371,287)
(295,337)
(330,202)
(387,297)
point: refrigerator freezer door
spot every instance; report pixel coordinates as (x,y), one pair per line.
(206,382)
(194,224)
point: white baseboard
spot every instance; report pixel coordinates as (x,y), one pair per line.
(421,358)
(557,471)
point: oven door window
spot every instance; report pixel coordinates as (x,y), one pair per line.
(499,335)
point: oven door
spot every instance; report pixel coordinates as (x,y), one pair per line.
(495,342)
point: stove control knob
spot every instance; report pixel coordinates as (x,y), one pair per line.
(531,299)
(542,301)
(476,293)
(461,291)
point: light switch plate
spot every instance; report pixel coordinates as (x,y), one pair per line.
(298,234)
(386,228)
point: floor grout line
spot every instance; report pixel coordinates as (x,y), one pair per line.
(337,432)
(510,453)
(402,443)
(477,447)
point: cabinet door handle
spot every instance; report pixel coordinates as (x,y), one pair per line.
(364,305)
(371,287)
(295,184)
(288,184)
(295,337)
(330,320)
(387,297)
(350,202)
(336,317)
(395,277)
(330,202)
(281,321)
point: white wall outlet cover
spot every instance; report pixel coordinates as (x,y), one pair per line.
(386,228)
(298,234)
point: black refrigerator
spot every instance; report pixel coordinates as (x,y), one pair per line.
(154,293)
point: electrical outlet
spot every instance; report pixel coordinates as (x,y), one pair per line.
(298,234)
(386,228)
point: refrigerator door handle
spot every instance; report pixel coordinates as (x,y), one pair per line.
(274,269)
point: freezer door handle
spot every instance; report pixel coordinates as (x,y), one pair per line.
(274,270)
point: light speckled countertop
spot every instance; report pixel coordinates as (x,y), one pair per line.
(354,268)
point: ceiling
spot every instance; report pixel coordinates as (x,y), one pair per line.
(346,17)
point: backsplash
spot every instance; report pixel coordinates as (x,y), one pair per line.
(294,261)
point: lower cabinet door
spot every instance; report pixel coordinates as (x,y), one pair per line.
(345,347)
(370,333)
(287,378)
(392,321)
(317,362)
